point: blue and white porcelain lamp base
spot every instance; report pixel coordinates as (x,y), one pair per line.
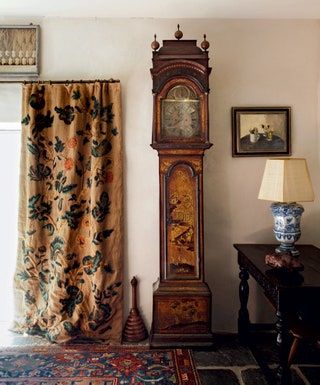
(287,231)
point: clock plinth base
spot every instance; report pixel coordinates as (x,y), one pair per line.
(180,340)
(181,315)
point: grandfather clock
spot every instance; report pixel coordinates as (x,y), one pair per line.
(181,298)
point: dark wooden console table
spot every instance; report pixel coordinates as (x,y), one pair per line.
(284,291)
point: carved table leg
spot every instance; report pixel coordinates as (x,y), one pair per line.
(283,339)
(243,317)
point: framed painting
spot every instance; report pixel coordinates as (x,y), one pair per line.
(261,131)
(19,50)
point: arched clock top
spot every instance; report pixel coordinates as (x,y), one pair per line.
(180,75)
(180,115)
(169,165)
(181,92)
(181,80)
(196,72)
(176,57)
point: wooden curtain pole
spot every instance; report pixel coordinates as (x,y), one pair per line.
(57,81)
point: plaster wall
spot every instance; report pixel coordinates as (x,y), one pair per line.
(255,63)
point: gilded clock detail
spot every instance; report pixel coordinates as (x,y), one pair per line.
(180,113)
(182,315)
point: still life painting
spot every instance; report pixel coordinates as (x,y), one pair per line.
(261,131)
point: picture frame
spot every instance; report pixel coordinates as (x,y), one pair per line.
(261,131)
(19,50)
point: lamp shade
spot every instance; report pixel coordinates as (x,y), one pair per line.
(286,180)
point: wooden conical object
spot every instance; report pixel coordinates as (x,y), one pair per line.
(134,329)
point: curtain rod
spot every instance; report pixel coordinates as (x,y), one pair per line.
(57,81)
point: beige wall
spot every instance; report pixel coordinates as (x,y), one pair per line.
(255,63)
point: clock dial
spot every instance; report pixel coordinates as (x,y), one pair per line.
(180,113)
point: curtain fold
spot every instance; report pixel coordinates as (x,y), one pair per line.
(68,279)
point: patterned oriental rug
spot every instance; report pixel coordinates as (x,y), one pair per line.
(96,365)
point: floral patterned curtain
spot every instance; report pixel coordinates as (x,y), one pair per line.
(68,279)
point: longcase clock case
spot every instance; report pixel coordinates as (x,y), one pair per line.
(182,299)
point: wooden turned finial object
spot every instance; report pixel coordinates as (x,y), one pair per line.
(178,34)
(155,44)
(205,44)
(134,329)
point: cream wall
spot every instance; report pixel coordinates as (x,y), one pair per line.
(255,63)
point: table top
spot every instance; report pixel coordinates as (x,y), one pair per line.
(254,254)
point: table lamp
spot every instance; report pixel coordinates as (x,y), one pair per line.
(285,182)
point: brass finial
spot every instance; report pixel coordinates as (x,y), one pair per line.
(178,34)
(205,44)
(155,44)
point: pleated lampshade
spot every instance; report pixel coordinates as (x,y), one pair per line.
(286,180)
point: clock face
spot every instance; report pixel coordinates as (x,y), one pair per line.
(180,114)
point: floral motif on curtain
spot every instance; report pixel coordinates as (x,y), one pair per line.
(68,278)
